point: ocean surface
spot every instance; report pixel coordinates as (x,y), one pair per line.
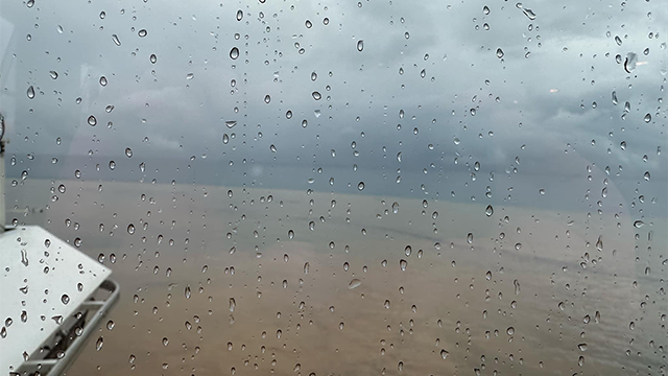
(236,280)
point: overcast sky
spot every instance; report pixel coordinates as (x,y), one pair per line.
(526,87)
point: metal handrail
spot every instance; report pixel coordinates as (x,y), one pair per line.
(60,365)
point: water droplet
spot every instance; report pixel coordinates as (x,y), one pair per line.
(92,120)
(190,76)
(267,99)
(527,12)
(354,283)
(360,186)
(240,15)
(648,118)
(234,53)
(599,244)
(316,95)
(142,33)
(444,354)
(582,347)
(99,343)
(128,152)
(408,250)
(153,59)
(131,229)
(630,62)
(489,211)
(110,325)
(360,45)
(638,224)
(272,147)
(403,264)
(103,81)
(395,207)
(231,123)
(306,267)
(618,40)
(31,92)
(117,41)
(499,53)
(165,341)
(65,299)
(112,165)
(187,292)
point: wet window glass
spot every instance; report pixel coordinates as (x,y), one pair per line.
(320,188)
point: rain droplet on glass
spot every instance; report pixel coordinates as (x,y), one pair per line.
(234,53)
(117,41)
(360,45)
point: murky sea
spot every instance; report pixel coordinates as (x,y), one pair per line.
(234,281)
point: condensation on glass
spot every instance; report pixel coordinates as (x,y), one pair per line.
(320,188)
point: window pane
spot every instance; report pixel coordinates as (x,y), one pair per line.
(319,188)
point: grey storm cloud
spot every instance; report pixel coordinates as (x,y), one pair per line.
(531,109)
